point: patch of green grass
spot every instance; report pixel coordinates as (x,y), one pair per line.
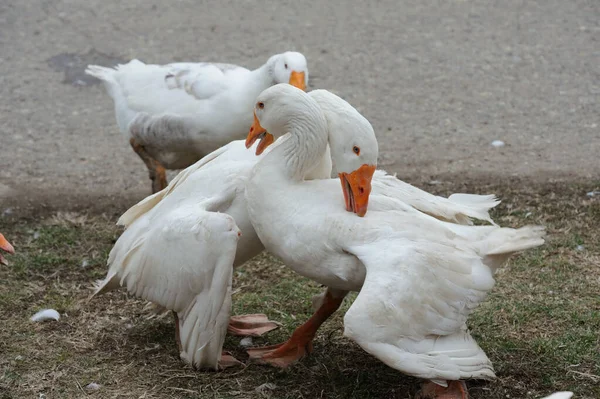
(539,325)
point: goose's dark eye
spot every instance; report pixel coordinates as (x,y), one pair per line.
(286,66)
(356,150)
(261,105)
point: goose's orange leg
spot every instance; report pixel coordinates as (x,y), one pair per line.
(156,171)
(455,390)
(253,325)
(300,343)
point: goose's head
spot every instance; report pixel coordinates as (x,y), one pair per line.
(352,140)
(353,146)
(275,110)
(5,246)
(289,67)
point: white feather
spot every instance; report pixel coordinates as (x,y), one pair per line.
(46,314)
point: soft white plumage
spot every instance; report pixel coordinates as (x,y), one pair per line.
(420,277)
(218,178)
(177,113)
(342,117)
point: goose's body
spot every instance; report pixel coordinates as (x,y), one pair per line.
(419,278)
(179,251)
(5,246)
(214,184)
(180,247)
(175,114)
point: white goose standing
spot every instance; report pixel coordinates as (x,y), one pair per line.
(419,278)
(177,113)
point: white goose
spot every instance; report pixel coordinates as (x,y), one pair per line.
(181,245)
(175,114)
(419,278)
(216,183)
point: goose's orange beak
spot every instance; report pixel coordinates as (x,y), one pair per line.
(257,132)
(5,245)
(297,79)
(357,188)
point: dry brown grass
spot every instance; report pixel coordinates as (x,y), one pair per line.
(540,326)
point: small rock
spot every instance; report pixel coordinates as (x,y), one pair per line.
(92,386)
(7,211)
(36,235)
(580,248)
(497,143)
(267,386)
(246,342)
(85,263)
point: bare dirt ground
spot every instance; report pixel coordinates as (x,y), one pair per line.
(439,81)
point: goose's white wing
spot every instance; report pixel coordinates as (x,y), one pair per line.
(412,308)
(183,264)
(156,104)
(234,151)
(458,208)
(165,89)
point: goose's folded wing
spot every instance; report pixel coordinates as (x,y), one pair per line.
(412,308)
(201,80)
(458,208)
(235,149)
(184,264)
(175,88)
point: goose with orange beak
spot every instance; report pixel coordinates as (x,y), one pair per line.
(418,277)
(354,171)
(5,246)
(175,114)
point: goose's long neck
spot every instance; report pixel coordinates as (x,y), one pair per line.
(261,79)
(299,153)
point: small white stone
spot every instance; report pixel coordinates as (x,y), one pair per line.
(580,248)
(36,235)
(93,386)
(497,143)
(85,263)
(246,342)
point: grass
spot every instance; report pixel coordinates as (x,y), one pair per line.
(540,325)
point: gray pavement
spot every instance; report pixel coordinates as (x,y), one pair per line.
(439,81)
